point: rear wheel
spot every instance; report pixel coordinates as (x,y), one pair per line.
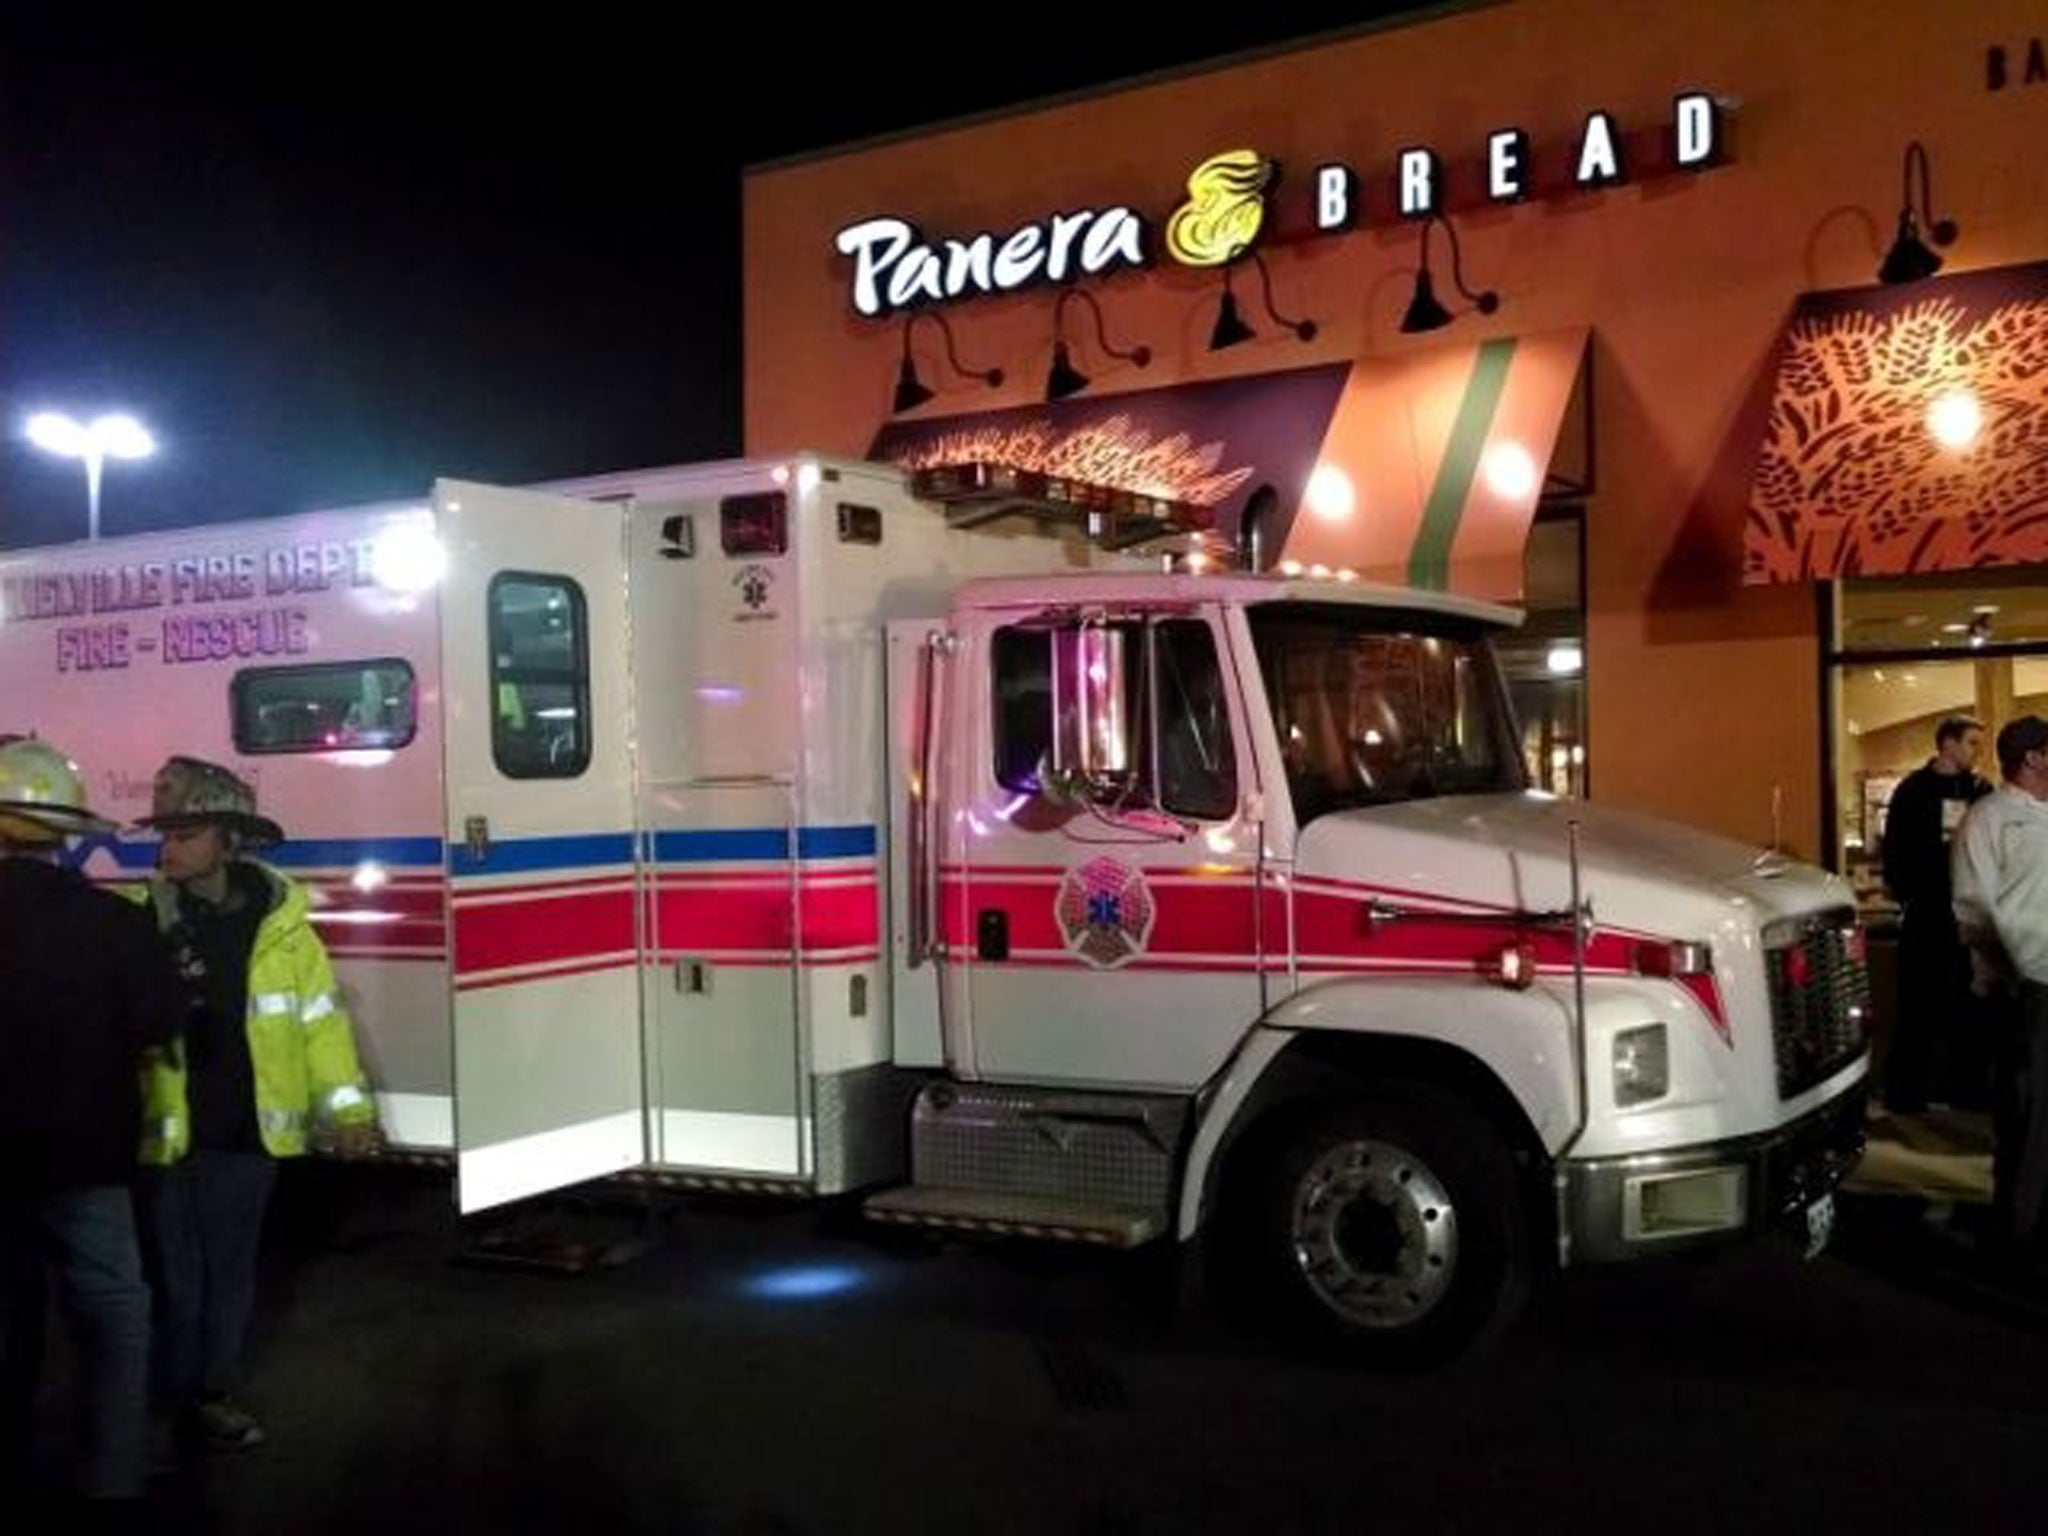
(1391,1225)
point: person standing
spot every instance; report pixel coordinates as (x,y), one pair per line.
(2001,903)
(1937,1048)
(85,989)
(268,1062)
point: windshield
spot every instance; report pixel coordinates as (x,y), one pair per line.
(1374,706)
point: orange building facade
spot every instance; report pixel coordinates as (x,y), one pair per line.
(1733,460)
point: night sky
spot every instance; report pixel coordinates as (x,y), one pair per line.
(328,272)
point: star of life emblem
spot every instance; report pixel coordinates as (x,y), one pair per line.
(1105,911)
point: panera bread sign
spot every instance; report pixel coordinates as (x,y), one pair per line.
(1229,199)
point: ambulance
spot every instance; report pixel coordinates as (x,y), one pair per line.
(958,843)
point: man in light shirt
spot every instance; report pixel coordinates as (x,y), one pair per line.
(2000,870)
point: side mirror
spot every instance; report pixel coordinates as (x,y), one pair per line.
(1091,736)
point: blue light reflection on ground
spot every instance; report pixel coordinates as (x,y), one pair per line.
(805,1282)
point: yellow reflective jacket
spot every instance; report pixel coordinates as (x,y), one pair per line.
(300,1040)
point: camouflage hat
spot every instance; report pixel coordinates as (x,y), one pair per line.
(191,793)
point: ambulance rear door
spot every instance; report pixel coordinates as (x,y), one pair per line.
(543,863)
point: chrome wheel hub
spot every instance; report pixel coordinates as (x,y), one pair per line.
(1375,1234)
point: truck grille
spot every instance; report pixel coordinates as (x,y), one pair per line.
(1820,996)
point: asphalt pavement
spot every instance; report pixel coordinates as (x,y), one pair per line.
(627,1361)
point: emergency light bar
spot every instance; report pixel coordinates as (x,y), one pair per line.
(980,492)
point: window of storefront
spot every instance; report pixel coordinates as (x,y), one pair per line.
(1545,660)
(1907,653)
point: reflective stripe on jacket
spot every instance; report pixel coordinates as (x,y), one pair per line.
(301,1043)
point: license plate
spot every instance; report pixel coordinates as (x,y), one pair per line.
(1820,1224)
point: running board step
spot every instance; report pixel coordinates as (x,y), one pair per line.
(1013,1215)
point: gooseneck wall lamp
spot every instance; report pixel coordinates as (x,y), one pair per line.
(1909,259)
(910,390)
(1064,378)
(1230,326)
(1425,311)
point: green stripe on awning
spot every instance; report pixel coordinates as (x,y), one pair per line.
(1429,562)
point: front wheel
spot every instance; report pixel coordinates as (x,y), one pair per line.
(1391,1225)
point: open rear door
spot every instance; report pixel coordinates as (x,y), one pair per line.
(542,866)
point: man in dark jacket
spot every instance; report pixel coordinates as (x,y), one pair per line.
(85,987)
(1937,1050)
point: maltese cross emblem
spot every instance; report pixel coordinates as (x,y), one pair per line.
(1105,911)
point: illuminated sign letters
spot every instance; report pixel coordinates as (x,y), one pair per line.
(1697,128)
(1507,166)
(894,268)
(1336,197)
(1420,177)
(1599,157)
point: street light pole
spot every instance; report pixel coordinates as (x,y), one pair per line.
(95,461)
(112,436)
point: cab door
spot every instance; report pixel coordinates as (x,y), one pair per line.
(543,867)
(1105,912)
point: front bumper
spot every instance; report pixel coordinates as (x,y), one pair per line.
(1661,1202)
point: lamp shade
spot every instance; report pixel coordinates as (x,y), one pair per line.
(1909,259)
(1425,311)
(1230,327)
(910,391)
(1064,378)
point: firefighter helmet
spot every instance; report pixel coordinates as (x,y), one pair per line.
(42,794)
(191,793)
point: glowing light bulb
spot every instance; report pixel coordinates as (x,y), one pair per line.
(1955,418)
(1330,494)
(1509,471)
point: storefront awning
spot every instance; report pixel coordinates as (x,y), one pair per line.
(1444,456)
(1424,469)
(1908,431)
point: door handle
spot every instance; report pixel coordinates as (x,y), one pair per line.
(476,831)
(992,933)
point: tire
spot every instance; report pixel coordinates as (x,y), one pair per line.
(1390,1226)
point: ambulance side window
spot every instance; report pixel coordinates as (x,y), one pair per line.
(340,706)
(540,676)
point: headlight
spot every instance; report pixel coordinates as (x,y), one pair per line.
(1642,1065)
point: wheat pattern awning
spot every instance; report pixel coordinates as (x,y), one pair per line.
(1869,464)
(1442,454)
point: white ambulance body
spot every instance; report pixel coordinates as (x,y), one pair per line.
(275,647)
(767,825)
